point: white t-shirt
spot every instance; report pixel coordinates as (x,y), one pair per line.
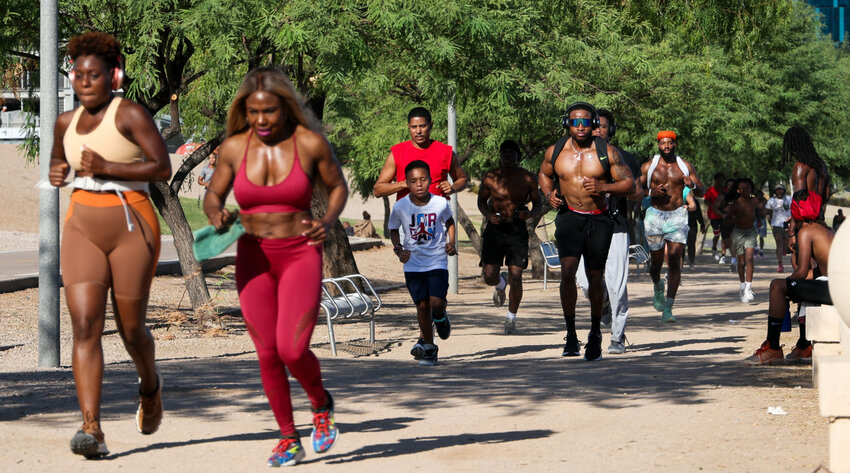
(422,232)
(781,210)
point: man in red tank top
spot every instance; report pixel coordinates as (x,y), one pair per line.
(440,158)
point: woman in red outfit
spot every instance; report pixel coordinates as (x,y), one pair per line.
(273,154)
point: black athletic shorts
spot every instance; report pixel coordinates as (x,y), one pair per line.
(715,225)
(808,290)
(505,242)
(726,230)
(584,235)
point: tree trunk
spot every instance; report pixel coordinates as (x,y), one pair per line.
(538,265)
(169,207)
(469,228)
(337,257)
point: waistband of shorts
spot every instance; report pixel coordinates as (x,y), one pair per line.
(106,198)
(588,212)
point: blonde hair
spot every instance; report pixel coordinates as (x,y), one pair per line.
(273,80)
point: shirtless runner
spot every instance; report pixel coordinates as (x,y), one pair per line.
(502,199)
(575,181)
(666,175)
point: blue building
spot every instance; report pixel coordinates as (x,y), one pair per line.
(836,16)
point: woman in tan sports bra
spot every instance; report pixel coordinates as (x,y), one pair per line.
(110,239)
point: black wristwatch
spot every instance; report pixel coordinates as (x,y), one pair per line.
(397,249)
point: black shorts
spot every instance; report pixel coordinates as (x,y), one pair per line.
(505,242)
(808,290)
(433,283)
(726,230)
(584,235)
(716,224)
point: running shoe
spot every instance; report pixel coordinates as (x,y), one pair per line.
(658,298)
(325,431)
(692,267)
(780,268)
(616,348)
(573,347)
(149,413)
(741,294)
(722,260)
(443,325)
(748,296)
(418,350)
(766,356)
(716,255)
(89,441)
(287,453)
(799,355)
(499,294)
(761,253)
(593,349)
(510,326)
(430,356)
(667,315)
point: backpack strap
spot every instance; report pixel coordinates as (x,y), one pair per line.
(601,153)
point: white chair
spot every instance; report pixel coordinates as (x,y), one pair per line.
(551,258)
(638,254)
(351,300)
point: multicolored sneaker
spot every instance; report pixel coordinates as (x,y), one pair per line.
(287,453)
(89,441)
(325,431)
(766,356)
(658,297)
(510,326)
(149,413)
(800,355)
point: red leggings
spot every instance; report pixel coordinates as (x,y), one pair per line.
(279,284)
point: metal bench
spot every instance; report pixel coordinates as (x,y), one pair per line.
(638,254)
(551,258)
(350,301)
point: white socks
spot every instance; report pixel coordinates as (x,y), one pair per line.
(510,315)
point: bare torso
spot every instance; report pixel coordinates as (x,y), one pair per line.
(820,238)
(572,166)
(665,185)
(744,211)
(509,190)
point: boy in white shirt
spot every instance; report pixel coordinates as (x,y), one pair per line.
(422,216)
(779,209)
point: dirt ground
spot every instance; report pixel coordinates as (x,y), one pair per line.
(677,401)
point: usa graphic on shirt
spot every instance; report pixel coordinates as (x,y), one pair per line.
(422,231)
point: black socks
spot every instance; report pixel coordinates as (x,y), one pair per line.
(774,328)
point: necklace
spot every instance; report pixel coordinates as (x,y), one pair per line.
(580,153)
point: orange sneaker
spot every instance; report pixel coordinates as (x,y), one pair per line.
(766,356)
(800,356)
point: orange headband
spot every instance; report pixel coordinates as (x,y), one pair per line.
(666,134)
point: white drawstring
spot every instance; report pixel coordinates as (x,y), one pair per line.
(130,225)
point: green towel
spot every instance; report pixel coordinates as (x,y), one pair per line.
(210,242)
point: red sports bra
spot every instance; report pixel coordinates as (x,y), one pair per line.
(293,194)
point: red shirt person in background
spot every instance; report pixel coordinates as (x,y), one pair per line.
(440,157)
(714,218)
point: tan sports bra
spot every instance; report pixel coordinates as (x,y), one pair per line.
(105,139)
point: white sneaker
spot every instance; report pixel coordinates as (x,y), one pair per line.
(716,255)
(722,260)
(510,326)
(748,296)
(741,295)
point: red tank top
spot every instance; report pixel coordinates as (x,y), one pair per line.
(437,155)
(293,194)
